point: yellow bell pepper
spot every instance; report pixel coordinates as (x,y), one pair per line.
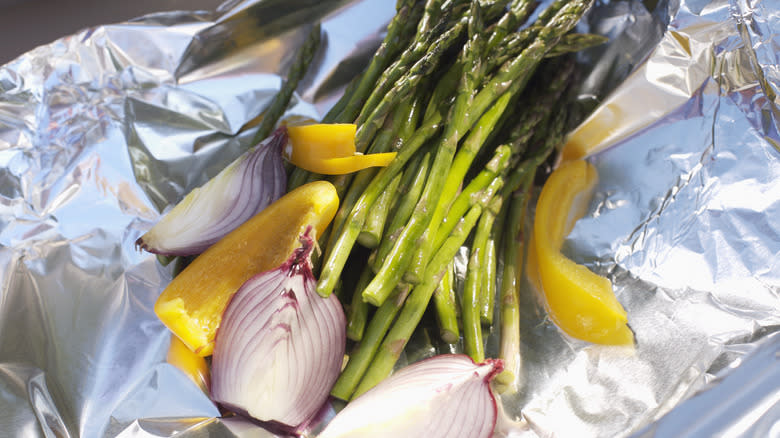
(329,149)
(192,365)
(579,301)
(191,306)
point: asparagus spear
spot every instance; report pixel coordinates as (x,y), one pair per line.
(297,71)
(399,257)
(487,276)
(375,223)
(415,305)
(357,314)
(397,130)
(518,69)
(409,195)
(400,32)
(454,179)
(445,303)
(513,249)
(334,263)
(406,85)
(497,165)
(473,290)
(362,354)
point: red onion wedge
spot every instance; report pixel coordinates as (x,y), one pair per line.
(241,190)
(444,396)
(279,348)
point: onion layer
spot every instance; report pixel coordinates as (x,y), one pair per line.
(241,190)
(280,345)
(444,396)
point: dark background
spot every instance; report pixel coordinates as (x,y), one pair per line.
(26,24)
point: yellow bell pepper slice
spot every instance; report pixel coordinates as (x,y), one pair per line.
(191,306)
(329,149)
(579,301)
(192,365)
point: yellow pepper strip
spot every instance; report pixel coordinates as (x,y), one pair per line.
(329,149)
(192,365)
(580,302)
(191,306)
(340,166)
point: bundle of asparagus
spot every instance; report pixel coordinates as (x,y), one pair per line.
(473,106)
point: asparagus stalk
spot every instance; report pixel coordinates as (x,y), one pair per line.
(399,127)
(399,257)
(516,14)
(362,354)
(424,38)
(357,314)
(409,195)
(454,179)
(473,292)
(517,72)
(513,250)
(406,85)
(574,42)
(334,263)
(497,165)
(375,223)
(297,71)
(415,305)
(446,306)
(518,69)
(400,31)
(487,276)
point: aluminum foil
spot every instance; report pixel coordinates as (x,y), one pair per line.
(101,130)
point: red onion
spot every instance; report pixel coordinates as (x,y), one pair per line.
(444,396)
(241,190)
(279,348)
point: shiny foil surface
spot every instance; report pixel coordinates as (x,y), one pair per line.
(102,130)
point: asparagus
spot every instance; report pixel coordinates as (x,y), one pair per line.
(517,72)
(362,354)
(497,165)
(574,42)
(487,276)
(375,223)
(414,307)
(406,85)
(357,314)
(446,308)
(398,129)
(409,195)
(518,69)
(297,71)
(340,249)
(399,257)
(473,289)
(454,179)
(425,37)
(516,14)
(399,32)
(513,249)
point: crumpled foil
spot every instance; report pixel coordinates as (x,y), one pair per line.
(101,130)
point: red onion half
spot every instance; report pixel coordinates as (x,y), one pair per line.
(446,396)
(279,348)
(241,190)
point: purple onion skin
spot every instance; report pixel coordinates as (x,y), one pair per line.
(276,328)
(208,213)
